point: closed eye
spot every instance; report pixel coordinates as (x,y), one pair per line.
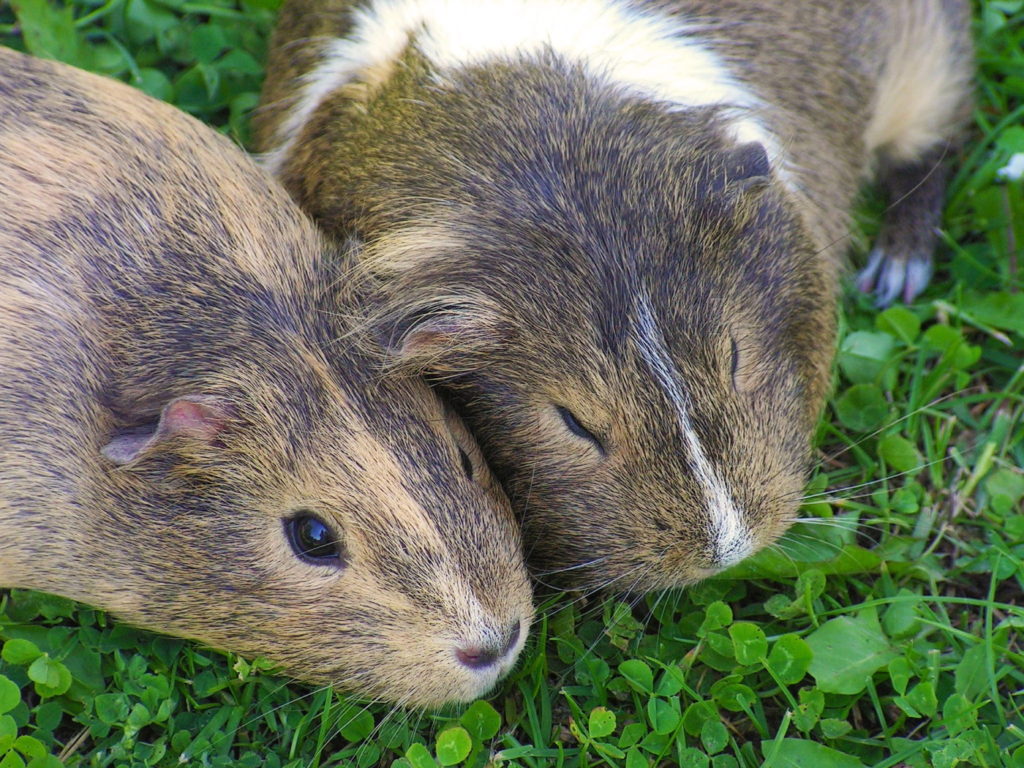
(574,426)
(467,464)
(735,361)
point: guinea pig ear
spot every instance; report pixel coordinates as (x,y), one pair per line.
(194,417)
(431,338)
(747,167)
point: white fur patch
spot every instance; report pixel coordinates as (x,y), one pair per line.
(643,51)
(731,536)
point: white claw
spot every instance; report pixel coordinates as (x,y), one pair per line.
(889,277)
(866,277)
(890,281)
(919,272)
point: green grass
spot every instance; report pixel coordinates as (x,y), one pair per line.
(886,632)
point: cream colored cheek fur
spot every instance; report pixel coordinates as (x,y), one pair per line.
(641,51)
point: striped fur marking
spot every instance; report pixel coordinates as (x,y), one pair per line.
(730,536)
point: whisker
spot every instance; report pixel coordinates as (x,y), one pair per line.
(566,569)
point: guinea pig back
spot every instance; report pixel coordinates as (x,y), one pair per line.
(189,437)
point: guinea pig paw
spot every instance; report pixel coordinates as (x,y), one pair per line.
(889,277)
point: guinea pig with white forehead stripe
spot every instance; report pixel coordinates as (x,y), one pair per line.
(188,439)
(611,232)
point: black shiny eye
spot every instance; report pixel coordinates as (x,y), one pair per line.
(578,429)
(313,541)
(467,464)
(735,360)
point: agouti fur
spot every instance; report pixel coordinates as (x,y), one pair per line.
(611,231)
(179,387)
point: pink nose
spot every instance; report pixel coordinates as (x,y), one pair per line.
(480,657)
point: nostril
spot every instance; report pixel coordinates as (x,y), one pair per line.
(475,657)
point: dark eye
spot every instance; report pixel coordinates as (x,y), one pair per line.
(313,541)
(578,429)
(735,360)
(467,465)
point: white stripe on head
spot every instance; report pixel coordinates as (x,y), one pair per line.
(731,536)
(652,54)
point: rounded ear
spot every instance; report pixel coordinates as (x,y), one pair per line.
(194,417)
(747,167)
(436,337)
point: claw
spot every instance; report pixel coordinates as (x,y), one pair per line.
(919,272)
(889,277)
(890,282)
(866,277)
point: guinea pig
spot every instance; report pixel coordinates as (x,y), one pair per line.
(187,437)
(611,231)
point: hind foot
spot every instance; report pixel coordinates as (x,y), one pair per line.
(900,265)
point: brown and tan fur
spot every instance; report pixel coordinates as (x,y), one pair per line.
(178,382)
(522,215)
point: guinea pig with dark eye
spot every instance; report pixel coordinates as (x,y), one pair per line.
(611,232)
(188,437)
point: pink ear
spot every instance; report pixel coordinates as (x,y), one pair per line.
(200,417)
(432,336)
(434,339)
(195,417)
